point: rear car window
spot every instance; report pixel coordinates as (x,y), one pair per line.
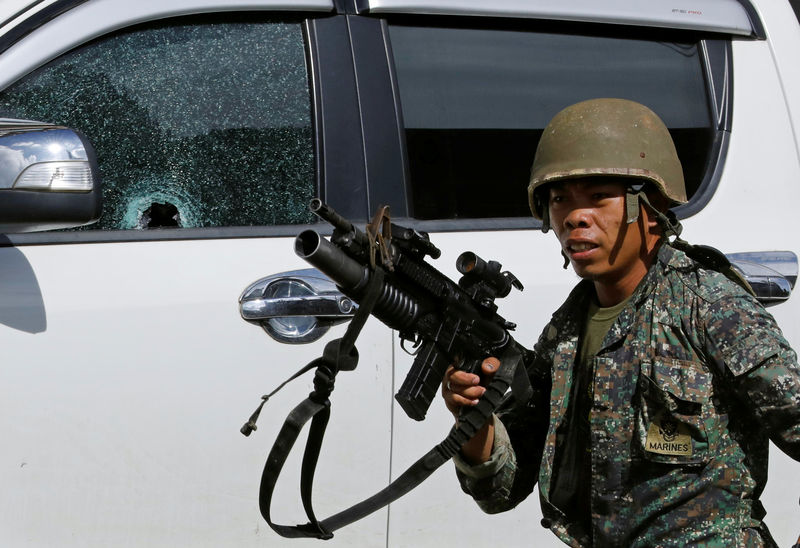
(475,102)
(195,123)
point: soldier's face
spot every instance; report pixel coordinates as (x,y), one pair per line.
(589,218)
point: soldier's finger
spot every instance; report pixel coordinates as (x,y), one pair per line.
(467,398)
(458,377)
(489,367)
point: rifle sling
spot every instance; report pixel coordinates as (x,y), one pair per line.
(317,409)
(472,419)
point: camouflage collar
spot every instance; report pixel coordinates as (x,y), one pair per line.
(564,319)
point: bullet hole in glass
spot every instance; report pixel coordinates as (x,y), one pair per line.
(160,216)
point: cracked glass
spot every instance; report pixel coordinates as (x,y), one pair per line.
(195,123)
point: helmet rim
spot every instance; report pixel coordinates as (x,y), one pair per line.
(539,184)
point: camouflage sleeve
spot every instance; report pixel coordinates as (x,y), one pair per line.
(490,483)
(510,474)
(762,366)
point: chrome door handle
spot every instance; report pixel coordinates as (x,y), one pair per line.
(295,307)
(321,306)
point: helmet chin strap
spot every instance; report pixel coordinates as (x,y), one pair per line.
(545,216)
(635,196)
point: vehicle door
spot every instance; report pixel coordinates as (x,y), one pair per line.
(127,370)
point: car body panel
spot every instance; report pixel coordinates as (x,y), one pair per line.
(121,415)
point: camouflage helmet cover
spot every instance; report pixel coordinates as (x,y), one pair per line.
(606,137)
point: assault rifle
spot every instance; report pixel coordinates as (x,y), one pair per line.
(444,321)
(384,270)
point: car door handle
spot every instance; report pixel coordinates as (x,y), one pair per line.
(297,306)
(321,306)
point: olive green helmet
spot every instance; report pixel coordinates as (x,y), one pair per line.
(606,137)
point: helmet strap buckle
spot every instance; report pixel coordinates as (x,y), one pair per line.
(542,206)
(545,220)
(670,225)
(633,193)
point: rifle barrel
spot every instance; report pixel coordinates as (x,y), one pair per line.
(327,213)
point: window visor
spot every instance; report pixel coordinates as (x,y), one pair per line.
(735,17)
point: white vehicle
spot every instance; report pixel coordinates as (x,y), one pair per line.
(126,367)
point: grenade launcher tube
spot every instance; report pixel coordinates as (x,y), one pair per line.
(394,307)
(331,261)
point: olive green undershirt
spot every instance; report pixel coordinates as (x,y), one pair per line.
(598,321)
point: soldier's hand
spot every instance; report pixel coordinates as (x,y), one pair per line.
(460,388)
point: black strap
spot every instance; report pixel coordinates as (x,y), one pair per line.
(471,420)
(277,457)
(714,259)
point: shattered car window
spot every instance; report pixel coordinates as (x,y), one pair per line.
(195,124)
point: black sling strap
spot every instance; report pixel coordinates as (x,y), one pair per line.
(342,355)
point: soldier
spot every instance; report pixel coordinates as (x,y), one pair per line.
(658,383)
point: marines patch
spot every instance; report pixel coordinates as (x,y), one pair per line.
(668,437)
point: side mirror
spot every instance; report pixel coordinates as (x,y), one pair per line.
(771,274)
(48,178)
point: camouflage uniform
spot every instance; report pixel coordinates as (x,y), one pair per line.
(691,382)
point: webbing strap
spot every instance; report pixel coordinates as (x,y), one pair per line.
(294,423)
(470,421)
